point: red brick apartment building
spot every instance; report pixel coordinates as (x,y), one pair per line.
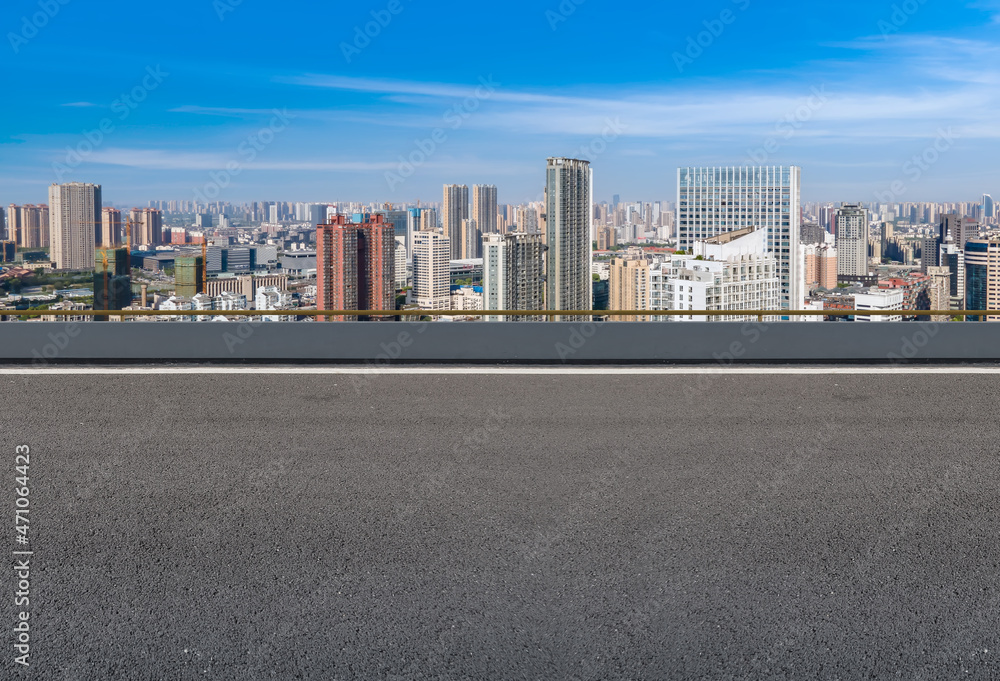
(355,267)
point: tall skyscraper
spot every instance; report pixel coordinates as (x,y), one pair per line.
(455,209)
(851,228)
(75,221)
(471,240)
(428,220)
(568,197)
(484,208)
(712,201)
(988,209)
(111,227)
(14,224)
(29,225)
(432,271)
(3,225)
(982,273)
(513,274)
(147,227)
(355,267)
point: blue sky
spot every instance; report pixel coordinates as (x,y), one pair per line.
(849,90)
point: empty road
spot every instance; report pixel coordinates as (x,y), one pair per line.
(506,526)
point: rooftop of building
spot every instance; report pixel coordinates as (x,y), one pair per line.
(728,237)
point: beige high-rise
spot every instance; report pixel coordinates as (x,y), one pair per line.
(75,220)
(455,209)
(484,207)
(629,288)
(111,227)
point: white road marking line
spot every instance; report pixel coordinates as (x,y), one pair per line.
(496,371)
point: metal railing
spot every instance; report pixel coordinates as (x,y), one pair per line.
(550,314)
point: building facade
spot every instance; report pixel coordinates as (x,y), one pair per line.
(819,266)
(629,288)
(484,208)
(716,200)
(513,274)
(454,210)
(75,222)
(851,229)
(355,268)
(432,271)
(568,199)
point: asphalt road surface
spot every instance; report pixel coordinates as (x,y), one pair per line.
(506,527)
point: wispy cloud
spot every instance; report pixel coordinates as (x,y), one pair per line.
(79,104)
(163,159)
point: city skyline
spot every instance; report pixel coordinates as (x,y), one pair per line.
(850,104)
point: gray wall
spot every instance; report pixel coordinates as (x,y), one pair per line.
(550,342)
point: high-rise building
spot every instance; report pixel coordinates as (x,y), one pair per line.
(14,224)
(75,221)
(988,209)
(484,208)
(428,220)
(3,225)
(112,280)
(629,287)
(432,271)
(355,267)
(29,225)
(953,257)
(568,197)
(819,266)
(982,277)
(851,229)
(471,240)
(713,201)
(189,276)
(513,274)
(605,238)
(147,227)
(939,291)
(111,227)
(455,209)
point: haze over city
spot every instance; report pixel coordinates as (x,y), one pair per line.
(638,90)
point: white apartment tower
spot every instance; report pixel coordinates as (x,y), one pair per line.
(851,221)
(75,224)
(733,271)
(513,274)
(455,209)
(484,207)
(712,201)
(432,271)
(568,198)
